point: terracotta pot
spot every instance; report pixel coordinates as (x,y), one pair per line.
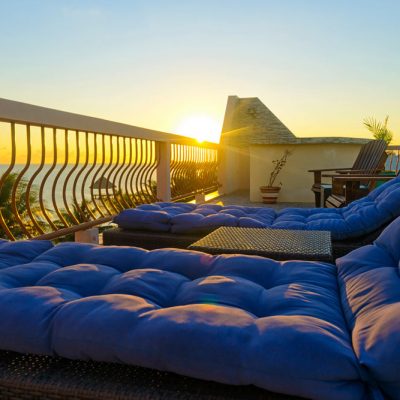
(269,194)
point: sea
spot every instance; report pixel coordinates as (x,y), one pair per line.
(47,189)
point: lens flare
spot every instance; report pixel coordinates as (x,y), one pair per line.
(201,127)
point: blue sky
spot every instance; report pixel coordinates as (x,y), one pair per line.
(320,65)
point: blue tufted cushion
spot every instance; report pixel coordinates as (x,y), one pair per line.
(370,290)
(185,207)
(231,319)
(146,219)
(196,222)
(359,218)
(20,252)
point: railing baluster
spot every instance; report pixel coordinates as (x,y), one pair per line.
(89,171)
(134,173)
(120,173)
(14,200)
(125,174)
(187,173)
(112,178)
(3,180)
(143,172)
(146,192)
(44,180)
(107,177)
(99,180)
(139,187)
(173,164)
(174,168)
(64,190)
(54,188)
(103,178)
(152,170)
(32,179)
(131,168)
(148,167)
(181,167)
(81,208)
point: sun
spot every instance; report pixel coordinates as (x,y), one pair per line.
(201,127)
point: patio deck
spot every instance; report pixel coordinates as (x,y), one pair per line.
(242,198)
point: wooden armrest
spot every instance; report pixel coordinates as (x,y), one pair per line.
(350,171)
(363,178)
(336,175)
(359,171)
(328,169)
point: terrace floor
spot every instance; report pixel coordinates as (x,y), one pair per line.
(242,198)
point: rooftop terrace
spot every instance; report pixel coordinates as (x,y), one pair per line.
(211,318)
(53,162)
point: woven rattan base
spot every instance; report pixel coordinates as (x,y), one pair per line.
(147,240)
(279,244)
(153,240)
(35,377)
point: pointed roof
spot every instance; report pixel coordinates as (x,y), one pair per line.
(249,121)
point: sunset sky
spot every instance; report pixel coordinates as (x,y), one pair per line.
(321,66)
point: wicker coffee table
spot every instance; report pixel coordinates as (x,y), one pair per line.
(280,244)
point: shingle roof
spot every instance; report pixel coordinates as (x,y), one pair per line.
(249,122)
(252,122)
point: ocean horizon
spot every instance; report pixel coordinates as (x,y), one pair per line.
(47,189)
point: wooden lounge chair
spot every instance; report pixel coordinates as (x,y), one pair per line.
(370,160)
(348,188)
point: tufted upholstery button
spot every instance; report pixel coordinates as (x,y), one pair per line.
(224,290)
(204,211)
(234,212)
(75,278)
(154,285)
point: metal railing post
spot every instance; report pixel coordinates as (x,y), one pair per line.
(87,236)
(163,172)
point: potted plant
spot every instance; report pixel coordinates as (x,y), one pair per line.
(270,192)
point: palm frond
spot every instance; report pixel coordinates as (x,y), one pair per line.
(379,129)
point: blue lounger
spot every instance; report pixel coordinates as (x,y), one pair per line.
(369,283)
(359,218)
(301,328)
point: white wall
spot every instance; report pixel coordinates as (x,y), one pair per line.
(296,181)
(234,169)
